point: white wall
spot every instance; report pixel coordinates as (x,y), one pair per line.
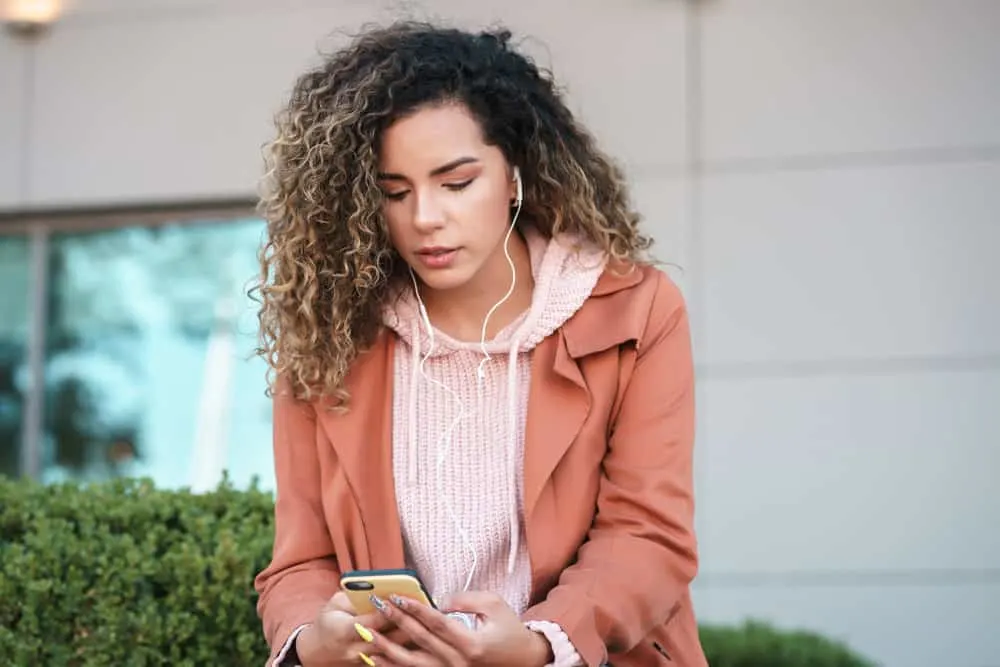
(846,223)
(827,174)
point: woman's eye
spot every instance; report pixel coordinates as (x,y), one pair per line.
(459,186)
(395,196)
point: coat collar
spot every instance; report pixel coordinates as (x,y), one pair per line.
(608,318)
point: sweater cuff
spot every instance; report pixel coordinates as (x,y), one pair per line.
(287,656)
(563,651)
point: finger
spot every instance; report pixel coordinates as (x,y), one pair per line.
(366,635)
(353,651)
(343,627)
(343,636)
(477,602)
(376,621)
(400,637)
(429,629)
(341,602)
(391,653)
(382,661)
(336,625)
(433,619)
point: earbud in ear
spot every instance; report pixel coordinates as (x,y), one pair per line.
(519,185)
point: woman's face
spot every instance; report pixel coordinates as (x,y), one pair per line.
(447,196)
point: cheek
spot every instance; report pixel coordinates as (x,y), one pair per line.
(488,213)
(395,222)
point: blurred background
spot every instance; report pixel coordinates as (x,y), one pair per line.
(823,176)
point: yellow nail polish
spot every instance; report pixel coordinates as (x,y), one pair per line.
(364,633)
(368,661)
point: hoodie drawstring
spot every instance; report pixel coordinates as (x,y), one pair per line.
(412,450)
(510,452)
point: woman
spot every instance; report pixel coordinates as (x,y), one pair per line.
(478,375)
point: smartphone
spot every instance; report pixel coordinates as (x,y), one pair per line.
(360,585)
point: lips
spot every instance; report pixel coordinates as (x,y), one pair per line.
(437,257)
(435,251)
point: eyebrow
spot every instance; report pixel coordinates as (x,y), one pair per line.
(437,171)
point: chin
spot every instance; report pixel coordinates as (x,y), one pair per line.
(445,280)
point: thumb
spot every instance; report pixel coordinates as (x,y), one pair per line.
(477,602)
(341,602)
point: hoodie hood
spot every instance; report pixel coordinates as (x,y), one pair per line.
(564,278)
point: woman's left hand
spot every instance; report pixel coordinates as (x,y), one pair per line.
(500,639)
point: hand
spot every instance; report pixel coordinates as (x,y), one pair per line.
(500,640)
(332,640)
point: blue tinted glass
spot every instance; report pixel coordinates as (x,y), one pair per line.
(149,364)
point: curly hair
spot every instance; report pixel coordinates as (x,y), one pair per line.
(327,261)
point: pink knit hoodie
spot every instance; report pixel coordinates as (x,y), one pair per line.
(458,431)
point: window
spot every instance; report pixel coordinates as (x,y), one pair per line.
(149,367)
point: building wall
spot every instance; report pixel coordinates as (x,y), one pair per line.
(825,177)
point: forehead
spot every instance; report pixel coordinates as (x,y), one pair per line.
(429,137)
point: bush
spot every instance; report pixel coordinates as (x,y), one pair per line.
(125,574)
(756,644)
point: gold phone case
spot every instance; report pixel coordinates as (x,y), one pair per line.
(361,584)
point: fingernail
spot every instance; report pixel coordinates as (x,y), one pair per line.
(379,603)
(364,633)
(398,601)
(368,661)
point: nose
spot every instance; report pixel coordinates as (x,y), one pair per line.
(428,214)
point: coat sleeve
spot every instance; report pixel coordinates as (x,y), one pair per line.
(303,573)
(640,554)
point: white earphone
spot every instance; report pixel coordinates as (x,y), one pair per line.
(520,187)
(444,445)
(481,370)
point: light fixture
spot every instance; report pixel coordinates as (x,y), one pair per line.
(28,18)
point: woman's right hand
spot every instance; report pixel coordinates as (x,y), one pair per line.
(332,640)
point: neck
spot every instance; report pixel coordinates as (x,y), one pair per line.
(460,312)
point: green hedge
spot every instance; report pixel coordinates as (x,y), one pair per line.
(756,644)
(126,574)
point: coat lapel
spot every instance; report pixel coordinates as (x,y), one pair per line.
(362,439)
(559,400)
(558,405)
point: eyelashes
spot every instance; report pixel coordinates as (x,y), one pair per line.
(458,187)
(454,187)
